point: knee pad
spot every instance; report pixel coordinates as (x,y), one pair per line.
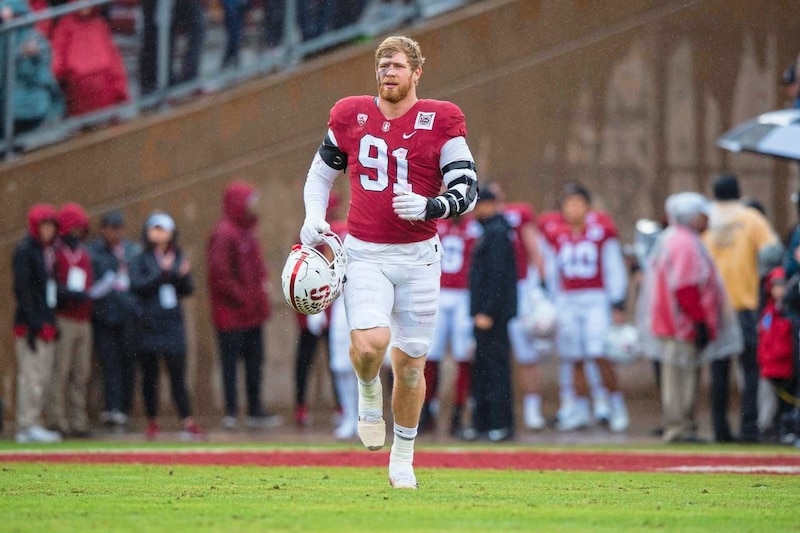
(413,347)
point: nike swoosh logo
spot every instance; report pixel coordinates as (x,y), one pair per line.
(409,135)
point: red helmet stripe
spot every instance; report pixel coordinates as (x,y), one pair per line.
(295,271)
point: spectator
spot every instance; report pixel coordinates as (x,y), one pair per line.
(160,278)
(587,275)
(113,315)
(36,96)
(737,237)
(778,345)
(493,302)
(186,16)
(234,11)
(35,322)
(345,12)
(791,85)
(237,278)
(791,257)
(67,402)
(454,326)
(87,63)
(274,15)
(681,302)
(43,26)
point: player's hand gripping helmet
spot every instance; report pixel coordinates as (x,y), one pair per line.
(310,281)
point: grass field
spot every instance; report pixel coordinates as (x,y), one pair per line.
(62,496)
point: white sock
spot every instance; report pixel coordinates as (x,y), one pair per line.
(403,446)
(370,399)
(532,403)
(617,400)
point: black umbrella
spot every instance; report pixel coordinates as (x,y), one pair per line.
(776,133)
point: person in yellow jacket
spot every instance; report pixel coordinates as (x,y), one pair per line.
(737,236)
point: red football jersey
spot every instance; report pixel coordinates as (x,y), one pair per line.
(518,214)
(458,236)
(579,255)
(387,156)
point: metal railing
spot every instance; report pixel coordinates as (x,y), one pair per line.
(291,52)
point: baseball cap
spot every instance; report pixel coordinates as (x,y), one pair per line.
(160,220)
(112,219)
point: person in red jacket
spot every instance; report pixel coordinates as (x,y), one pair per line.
(35,322)
(87,63)
(777,346)
(237,278)
(66,408)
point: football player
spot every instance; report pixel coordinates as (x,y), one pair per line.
(586,272)
(398,151)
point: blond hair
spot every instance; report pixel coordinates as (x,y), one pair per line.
(400,43)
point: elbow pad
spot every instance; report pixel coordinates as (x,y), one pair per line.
(461,194)
(332,155)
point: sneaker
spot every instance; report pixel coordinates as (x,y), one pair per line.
(500,435)
(575,419)
(152,431)
(192,432)
(230,423)
(372,434)
(469,435)
(602,410)
(618,421)
(534,420)
(37,434)
(265,421)
(402,476)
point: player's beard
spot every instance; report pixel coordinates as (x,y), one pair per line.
(396,94)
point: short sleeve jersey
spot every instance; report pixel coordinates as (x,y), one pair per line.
(458,236)
(518,214)
(579,256)
(385,157)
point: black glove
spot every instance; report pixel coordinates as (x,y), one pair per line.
(701,336)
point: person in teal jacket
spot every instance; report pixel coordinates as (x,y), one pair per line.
(36,95)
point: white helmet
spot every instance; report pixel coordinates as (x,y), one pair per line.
(310,281)
(541,321)
(623,343)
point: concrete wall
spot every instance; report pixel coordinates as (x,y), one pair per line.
(627,96)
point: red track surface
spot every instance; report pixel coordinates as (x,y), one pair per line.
(518,460)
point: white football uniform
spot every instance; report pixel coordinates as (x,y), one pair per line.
(400,292)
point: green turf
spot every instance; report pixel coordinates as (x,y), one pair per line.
(59,497)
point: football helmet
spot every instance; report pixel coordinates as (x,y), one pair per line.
(311,281)
(541,321)
(623,343)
